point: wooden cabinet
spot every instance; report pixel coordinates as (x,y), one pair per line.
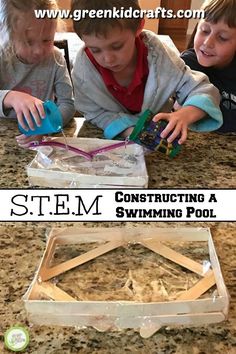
(174,27)
(151,24)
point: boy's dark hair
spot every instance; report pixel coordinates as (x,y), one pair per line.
(220,10)
(102,26)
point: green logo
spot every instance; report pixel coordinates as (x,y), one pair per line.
(16,338)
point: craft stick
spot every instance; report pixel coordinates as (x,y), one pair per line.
(48,273)
(56,293)
(49,253)
(181,311)
(174,256)
(218,275)
(172,235)
(192,294)
(89,235)
(195,319)
(34,292)
(53,292)
(199,288)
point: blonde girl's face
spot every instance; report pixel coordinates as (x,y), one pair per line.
(37,42)
(215,44)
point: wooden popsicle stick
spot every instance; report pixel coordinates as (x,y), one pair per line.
(196,320)
(199,288)
(174,256)
(49,253)
(53,292)
(48,273)
(192,294)
(77,235)
(50,290)
(34,291)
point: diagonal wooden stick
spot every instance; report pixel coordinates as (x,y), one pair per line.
(174,256)
(199,288)
(192,294)
(48,273)
(50,290)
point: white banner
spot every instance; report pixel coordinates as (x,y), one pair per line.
(117,205)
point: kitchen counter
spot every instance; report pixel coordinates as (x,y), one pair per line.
(22,247)
(14,159)
(206,161)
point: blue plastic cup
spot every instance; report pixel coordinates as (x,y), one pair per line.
(52,123)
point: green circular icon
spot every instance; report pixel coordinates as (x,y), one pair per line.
(16,338)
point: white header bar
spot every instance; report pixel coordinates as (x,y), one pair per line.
(117,205)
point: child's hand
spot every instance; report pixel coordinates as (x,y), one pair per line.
(25,105)
(179,122)
(24,141)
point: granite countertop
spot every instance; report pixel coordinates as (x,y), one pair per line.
(14,159)
(22,247)
(206,160)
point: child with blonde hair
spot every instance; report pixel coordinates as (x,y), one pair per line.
(32,70)
(212,50)
(123,70)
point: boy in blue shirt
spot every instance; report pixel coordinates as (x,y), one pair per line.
(123,70)
(213,52)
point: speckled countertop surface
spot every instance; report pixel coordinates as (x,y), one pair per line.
(206,161)
(21,249)
(13,159)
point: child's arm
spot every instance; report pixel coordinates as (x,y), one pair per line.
(190,88)
(63,89)
(25,106)
(199,100)
(194,91)
(196,110)
(59,87)
(97,106)
(179,122)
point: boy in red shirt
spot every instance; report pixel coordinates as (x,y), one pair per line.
(123,70)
